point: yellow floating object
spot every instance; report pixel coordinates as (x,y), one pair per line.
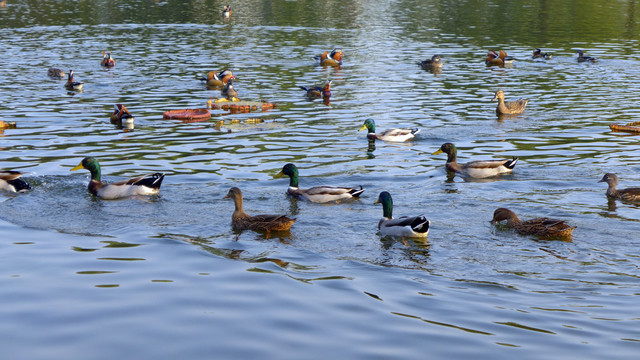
(633,127)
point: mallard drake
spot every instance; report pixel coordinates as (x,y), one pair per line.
(394,135)
(142,185)
(538,54)
(56,73)
(629,194)
(478,168)
(10,181)
(405,226)
(432,64)
(122,116)
(317,194)
(498,58)
(543,227)
(226,12)
(243,221)
(509,107)
(107,60)
(582,58)
(333,58)
(316,92)
(228,91)
(71,84)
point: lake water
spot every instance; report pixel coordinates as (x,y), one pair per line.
(166,277)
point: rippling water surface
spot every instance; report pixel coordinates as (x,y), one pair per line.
(166,277)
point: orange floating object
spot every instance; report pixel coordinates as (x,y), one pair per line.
(188,114)
(633,127)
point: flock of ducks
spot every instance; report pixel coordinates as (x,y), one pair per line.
(404,227)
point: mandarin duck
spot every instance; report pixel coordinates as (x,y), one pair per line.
(71,84)
(582,58)
(628,194)
(122,116)
(228,91)
(434,63)
(538,54)
(226,12)
(107,60)
(499,58)
(333,58)
(316,92)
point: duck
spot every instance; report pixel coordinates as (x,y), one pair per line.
(582,58)
(391,135)
(215,79)
(317,194)
(121,115)
(71,84)
(405,226)
(226,12)
(434,63)
(10,181)
(538,54)
(498,58)
(107,60)
(316,92)
(509,107)
(629,194)
(478,168)
(228,91)
(543,227)
(141,185)
(56,73)
(243,221)
(333,58)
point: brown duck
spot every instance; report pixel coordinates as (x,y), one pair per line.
(543,227)
(243,221)
(509,107)
(228,91)
(629,194)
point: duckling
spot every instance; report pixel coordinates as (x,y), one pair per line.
(543,227)
(405,226)
(122,116)
(509,107)
(478,168)
(10,181)
(333,58)
(107,60)
(243,221)
(56,73)
(582,58)
(226,12)
(316,92)
(392,135)
(498,58)
(317,194)
(71,84)
(434,63)
(538,54)
(141,185)
(629,194)
(228,91)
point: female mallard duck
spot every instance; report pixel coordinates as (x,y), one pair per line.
(226,12)
(56,73)
(10,181)
(243,221)
(142,185)
(498,58)
(543,227)
(107,60)
(434,63)
(228,91)
(629,194)
(509,107)
(582,58)
(405,226)
(393,135)
(71,84)
(538,54)
(333,58)
(478,168)
(122,116)
(317,194)
(316,92)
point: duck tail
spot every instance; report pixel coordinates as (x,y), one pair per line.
(415,131)
(510,164)
(152,181)
(420,224)
(19,185)
(304,88)
(356,192)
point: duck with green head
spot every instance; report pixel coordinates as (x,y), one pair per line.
(141,185)
(391,135)
(478,168)
(317,194)
(405,226)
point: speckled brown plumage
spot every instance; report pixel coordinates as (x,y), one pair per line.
(543,227)
(243,221)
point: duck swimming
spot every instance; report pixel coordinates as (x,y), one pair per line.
(478,168)
(405,226)
(317,194)
(10,181)
(316,92)
(509,107)
(107,60)
(56,73)
(71,84)
(333,58)
(498,58)
(628,194)
(582,58)
(434,63)
(538,54)
(228,91)
(243,221)
(391,135)
(543,227)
